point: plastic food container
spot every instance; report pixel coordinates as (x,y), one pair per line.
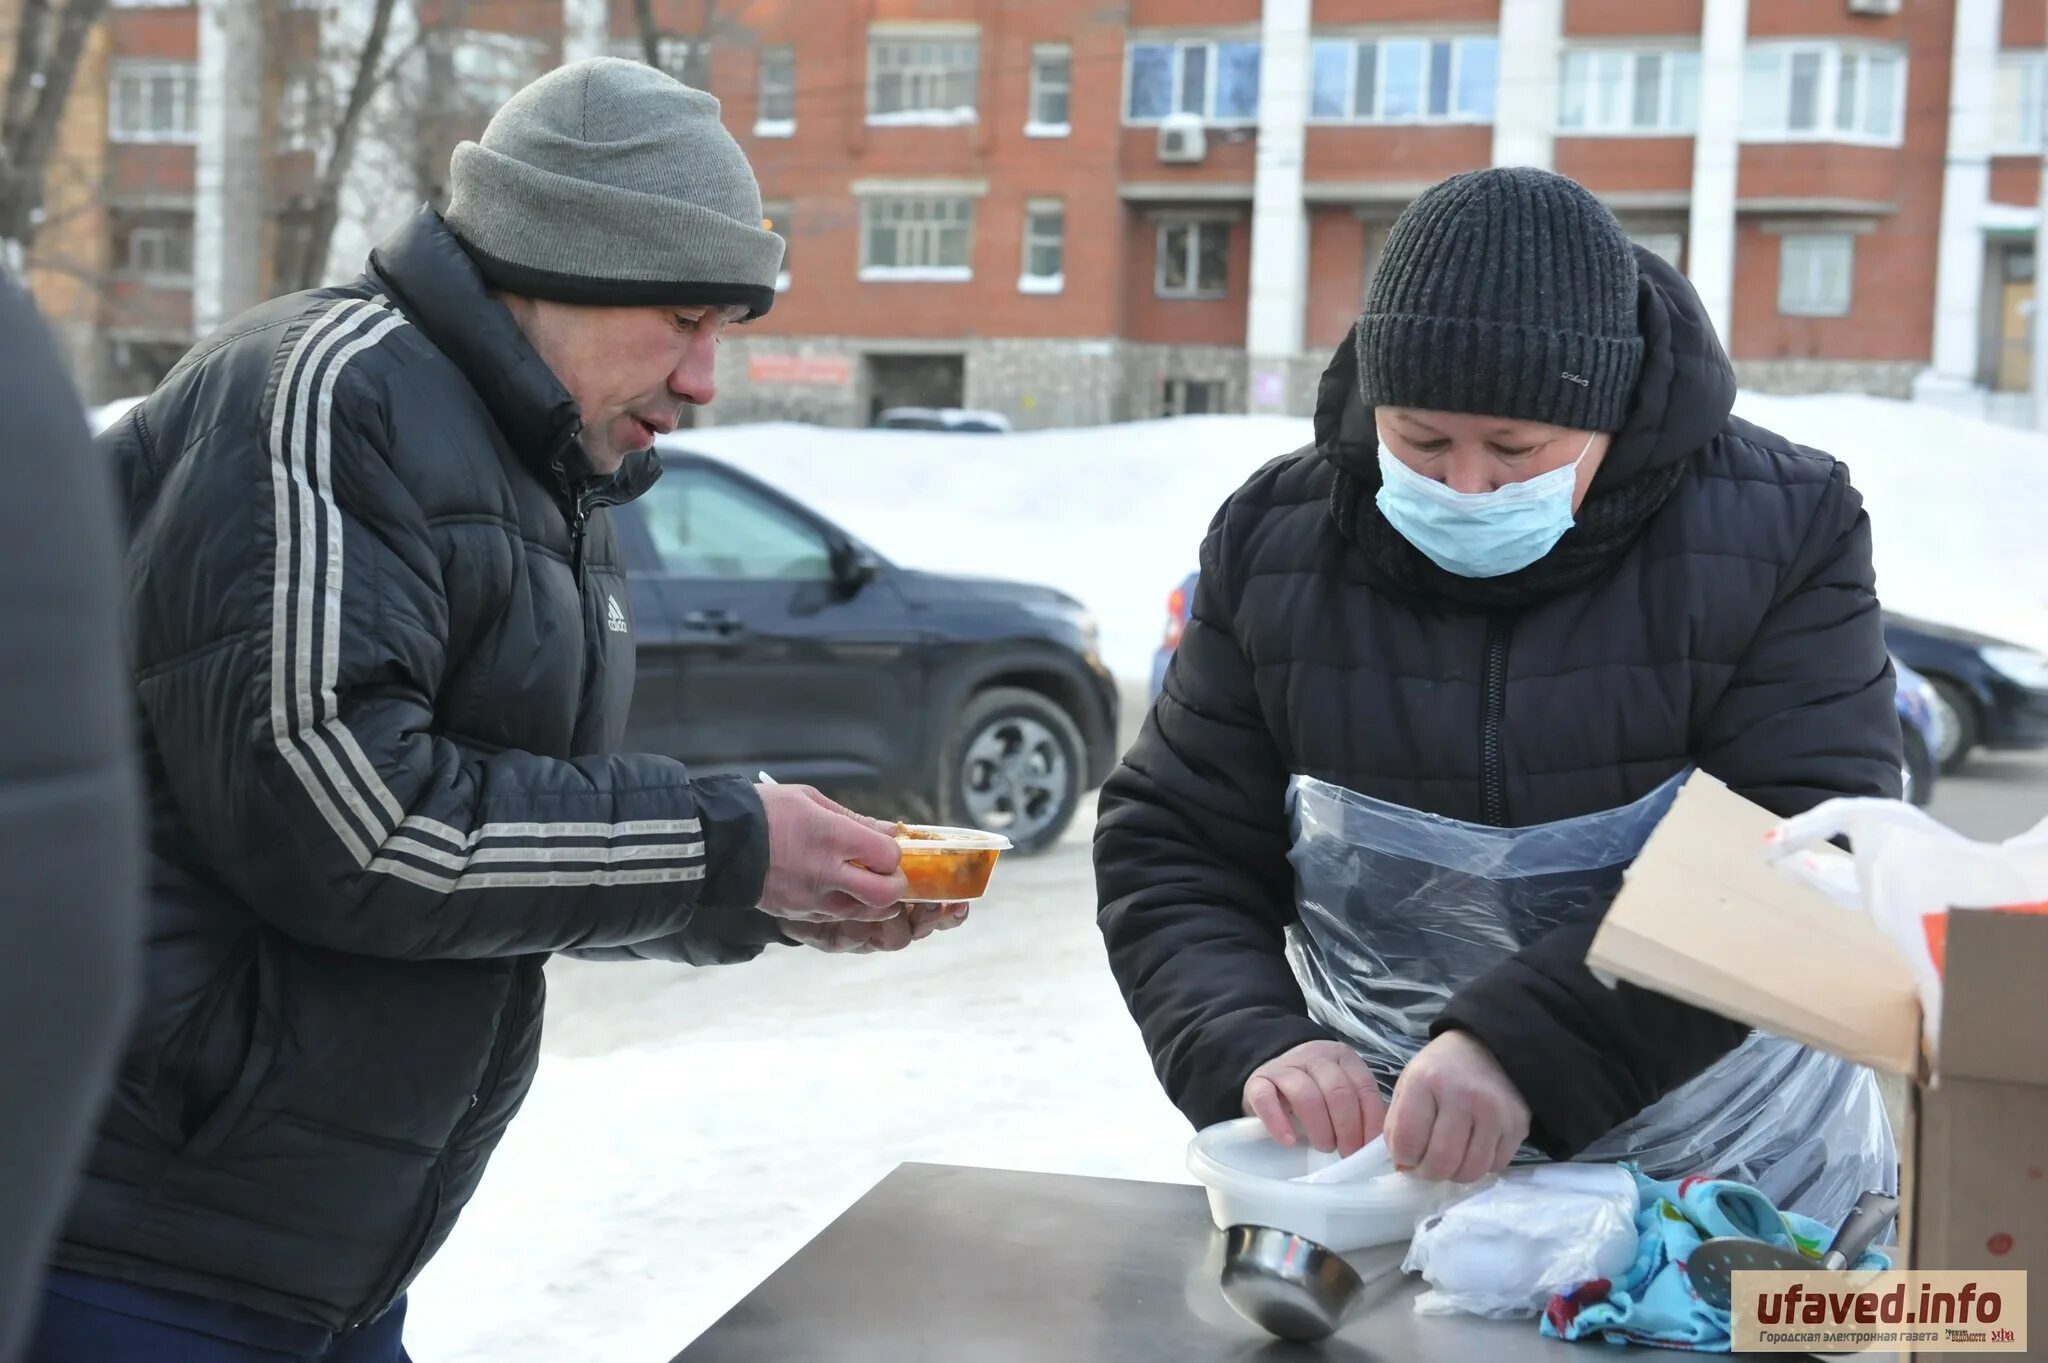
(948,865)
(1247,1174)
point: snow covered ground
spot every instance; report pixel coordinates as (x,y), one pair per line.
(1114,515)
(691,1129)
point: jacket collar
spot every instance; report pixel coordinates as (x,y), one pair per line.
(432,278)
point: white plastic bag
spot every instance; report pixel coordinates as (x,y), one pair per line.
(1907,870)
(1524,1237)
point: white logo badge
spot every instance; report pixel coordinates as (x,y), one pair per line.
(614,618)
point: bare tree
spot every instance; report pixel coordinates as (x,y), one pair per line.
(696,71)
(302,247)
(47,48)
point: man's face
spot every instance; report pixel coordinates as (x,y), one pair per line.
(630,370)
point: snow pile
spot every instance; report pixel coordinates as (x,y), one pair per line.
(1958,506)
(1114,515)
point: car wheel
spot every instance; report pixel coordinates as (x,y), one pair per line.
(1960,729)
(1920,773)
(1014,766)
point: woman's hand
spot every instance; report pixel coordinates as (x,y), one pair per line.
(1326,1087)
(1456,1115)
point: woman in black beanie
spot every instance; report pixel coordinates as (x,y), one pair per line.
(1532,569)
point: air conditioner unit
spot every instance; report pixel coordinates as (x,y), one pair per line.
(1182,140)
(1873,6)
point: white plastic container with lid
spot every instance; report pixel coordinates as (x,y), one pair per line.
(1249,1177)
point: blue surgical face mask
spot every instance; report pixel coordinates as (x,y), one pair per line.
(1479,534)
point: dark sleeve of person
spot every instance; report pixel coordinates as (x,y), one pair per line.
(298,735)
(70,812)
(1192,878)
(1808,716)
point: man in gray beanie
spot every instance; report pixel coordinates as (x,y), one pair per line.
(382,660)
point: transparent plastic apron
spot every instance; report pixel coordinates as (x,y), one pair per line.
(1399,909)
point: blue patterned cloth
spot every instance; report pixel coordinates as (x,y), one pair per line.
(1654,1302)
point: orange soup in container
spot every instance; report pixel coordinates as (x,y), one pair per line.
(948,865)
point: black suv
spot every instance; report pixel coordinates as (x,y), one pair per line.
(771,640)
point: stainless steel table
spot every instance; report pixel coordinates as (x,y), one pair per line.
(956,1265)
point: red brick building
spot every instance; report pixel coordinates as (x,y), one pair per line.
(1074,213)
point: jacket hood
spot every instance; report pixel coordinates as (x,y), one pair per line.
(1683,396)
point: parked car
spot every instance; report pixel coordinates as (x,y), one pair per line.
(772,640)
(1921,712)
(958,420)
(1989,693)
(1921,724)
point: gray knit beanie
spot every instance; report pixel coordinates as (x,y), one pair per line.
(1508,292)
(609,182)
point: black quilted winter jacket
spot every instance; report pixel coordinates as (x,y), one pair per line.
(371,580)
(1738,631)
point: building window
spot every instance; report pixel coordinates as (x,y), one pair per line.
(1670,246)
(1612,90)
(1191,397)
(2016,112)
(1404,80)
(672,54)
(775,217)
(1809,92)
(297,119)
(153,102)
(155,247)
(922,80)
(490,68)
(1194,260)
(917,239)
(1217,82)
(1815,270)
(1052,85)
(776,114)
(1045,247)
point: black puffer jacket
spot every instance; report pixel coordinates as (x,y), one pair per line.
(1739,630)
(373,589)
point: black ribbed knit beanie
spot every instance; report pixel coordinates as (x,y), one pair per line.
(1508,292)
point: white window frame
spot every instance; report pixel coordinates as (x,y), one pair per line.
(126,76)
(162,276)
(1035,211)
(1459,42)
(1182,45)
(1654,242)
(674,52)
(1794,297)
(774,59)
(1035,126)
(923,234)
(939,73)
(295,113)
(780,212)
(1827,95)
(1198,226)
(2031,70)
(490,90)
(1672,120)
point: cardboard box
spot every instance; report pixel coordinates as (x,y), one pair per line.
(1704,918)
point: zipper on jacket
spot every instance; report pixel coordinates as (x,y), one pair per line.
(1492,761)
(487,1088)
